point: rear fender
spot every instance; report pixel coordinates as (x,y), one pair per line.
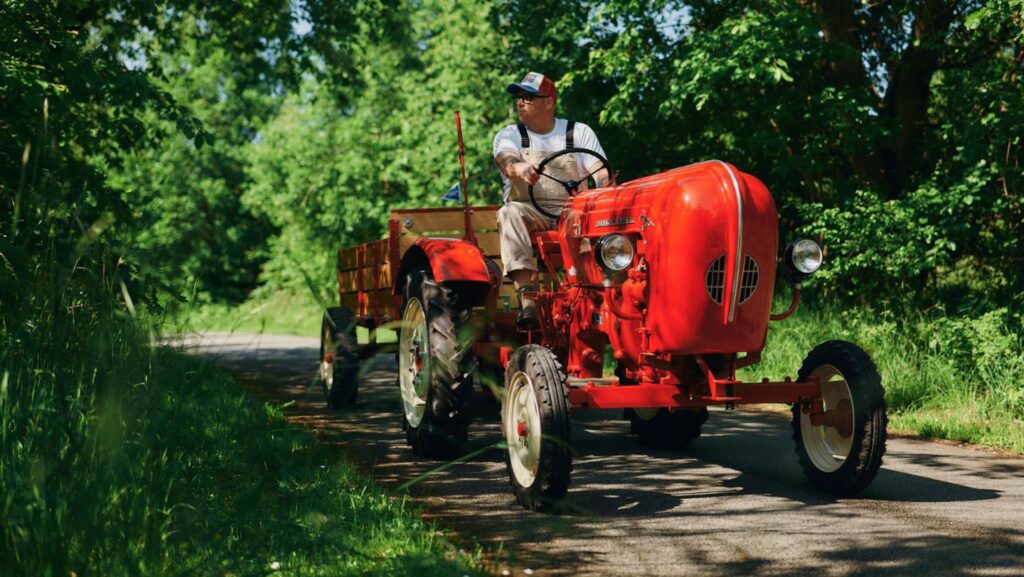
(457,263)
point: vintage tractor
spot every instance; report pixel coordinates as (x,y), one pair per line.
(672,274)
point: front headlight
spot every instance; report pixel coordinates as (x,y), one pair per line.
(804,257)
(614,252)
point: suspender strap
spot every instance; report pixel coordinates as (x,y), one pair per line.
(523,135)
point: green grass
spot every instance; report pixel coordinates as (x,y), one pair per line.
(117,458)
(283,313)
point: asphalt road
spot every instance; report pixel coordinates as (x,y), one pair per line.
(735,503)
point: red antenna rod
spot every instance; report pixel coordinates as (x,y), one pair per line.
(467,213)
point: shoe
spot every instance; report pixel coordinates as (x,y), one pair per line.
(527,319)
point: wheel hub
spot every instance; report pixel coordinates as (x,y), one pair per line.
(829,441)
(521,416)
(522,430)
(327,362)
(842,418)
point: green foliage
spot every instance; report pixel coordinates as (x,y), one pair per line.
(265,144)
(886,249)
(116,458)
(327,174)
(189,226)
(895,140)
(280,313)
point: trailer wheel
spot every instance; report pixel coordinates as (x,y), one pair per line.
(666,430)
(537,429)
(435,369)
(842,458)
(339,358)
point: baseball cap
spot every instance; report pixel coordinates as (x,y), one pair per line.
(534,83)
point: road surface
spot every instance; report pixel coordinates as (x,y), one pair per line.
(734,503)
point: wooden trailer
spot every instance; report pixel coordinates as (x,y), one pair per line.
(367,272)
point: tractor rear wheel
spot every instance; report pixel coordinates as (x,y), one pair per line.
(339,358)
(666,430)
(537,429)
(435,368)
(842,457)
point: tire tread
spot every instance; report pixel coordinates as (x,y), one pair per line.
(865,384)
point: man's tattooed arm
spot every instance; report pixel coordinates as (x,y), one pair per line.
(506,160)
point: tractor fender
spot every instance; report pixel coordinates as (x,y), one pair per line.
(454,262)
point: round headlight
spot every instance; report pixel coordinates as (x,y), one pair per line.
(805,256)
(614,252)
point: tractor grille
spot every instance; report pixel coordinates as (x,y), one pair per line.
(748,282)
(715,279)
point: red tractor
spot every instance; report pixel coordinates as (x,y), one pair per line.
(671,274)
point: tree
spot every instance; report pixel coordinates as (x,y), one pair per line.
(327,174)
(897,109)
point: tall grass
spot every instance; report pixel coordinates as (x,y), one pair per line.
(120,458)
(959,378)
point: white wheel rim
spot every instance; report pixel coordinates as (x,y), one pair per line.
(414,362)
(327,360)
(523,429)
(825,446)
(646,414)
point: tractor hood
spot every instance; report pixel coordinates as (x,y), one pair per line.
(708,235)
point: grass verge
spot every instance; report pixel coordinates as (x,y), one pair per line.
(282,313)
(124,459)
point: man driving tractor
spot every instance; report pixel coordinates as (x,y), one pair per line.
(519,150)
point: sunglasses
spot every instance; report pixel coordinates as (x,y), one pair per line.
(529,98)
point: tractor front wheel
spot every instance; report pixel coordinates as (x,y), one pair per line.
(536,426)
(842,455)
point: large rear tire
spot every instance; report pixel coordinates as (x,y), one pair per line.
(435,368)
(339,358)
(536,426)
(842,458)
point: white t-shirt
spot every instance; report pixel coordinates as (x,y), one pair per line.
(509,140)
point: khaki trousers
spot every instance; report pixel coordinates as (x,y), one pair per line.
(516,220)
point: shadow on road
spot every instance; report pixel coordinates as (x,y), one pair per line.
(735,503)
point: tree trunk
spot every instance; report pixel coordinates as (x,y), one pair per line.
(888,166)
(906,98)
(841,28)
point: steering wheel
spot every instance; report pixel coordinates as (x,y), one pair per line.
(571,186)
